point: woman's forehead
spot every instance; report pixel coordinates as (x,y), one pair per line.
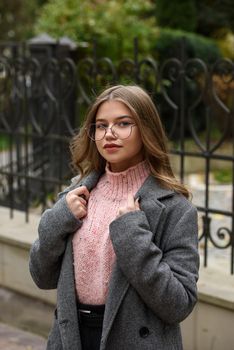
(113,109)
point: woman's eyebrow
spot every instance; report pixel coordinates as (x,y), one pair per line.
(116,118)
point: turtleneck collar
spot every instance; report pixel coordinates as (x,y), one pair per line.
(118,184)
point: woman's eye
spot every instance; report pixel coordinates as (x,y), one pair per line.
(123,124)
(100,126)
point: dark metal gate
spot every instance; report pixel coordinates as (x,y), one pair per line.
(43,101)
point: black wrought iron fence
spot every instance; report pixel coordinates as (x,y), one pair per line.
(42,103)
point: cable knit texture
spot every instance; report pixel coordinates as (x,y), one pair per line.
(93,252)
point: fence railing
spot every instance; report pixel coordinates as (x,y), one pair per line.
(43,100)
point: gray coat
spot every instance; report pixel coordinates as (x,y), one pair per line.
(153,282)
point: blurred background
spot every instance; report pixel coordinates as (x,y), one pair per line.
(55,57)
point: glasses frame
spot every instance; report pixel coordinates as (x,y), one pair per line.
(107,128)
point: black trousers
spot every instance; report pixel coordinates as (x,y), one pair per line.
(90,322)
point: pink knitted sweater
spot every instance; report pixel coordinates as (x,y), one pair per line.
(93,252)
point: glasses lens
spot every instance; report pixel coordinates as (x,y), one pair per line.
(96,132)
(121,130)
(100,132)
(91,131)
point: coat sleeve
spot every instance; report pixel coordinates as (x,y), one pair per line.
(47,251)
(165,280)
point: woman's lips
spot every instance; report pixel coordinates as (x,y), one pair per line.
(111,148)
(111,145)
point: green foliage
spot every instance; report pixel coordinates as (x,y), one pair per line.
(113,23)
(209,18)
(214,18)
(178,44)
(4,142)
(168,44)
(176,14)
(226,45)
(223,176)
(17,18)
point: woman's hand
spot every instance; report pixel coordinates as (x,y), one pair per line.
(77,201)
(131,205)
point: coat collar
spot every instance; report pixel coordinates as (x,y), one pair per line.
(150,188)
(153,190)
(90,181)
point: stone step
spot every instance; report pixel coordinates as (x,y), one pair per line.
(15,339)
(26,313)
(16,238)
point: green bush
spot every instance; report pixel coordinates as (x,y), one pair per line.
(113,23)
(168,44)
(226,45)
(223,176)
(177,14)
(17,18)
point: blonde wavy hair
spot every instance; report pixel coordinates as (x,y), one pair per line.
(86,158)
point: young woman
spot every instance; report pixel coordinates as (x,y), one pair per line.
(120,244)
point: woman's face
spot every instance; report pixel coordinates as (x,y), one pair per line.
(119,153)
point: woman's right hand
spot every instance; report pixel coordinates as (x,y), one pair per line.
(77,201)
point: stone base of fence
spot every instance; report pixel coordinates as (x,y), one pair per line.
(16,238)
(209,327)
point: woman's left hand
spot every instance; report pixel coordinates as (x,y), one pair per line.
(131,205)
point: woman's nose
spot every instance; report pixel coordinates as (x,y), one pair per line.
(109,133)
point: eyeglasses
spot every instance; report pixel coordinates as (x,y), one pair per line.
(121,130)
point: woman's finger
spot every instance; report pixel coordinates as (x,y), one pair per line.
(137,204)
(82,200)
(131,205)
(130,202)
(72,197)
(81,191)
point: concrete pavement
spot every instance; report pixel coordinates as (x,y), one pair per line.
(15,339)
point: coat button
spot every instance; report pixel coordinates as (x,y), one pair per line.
(144,332)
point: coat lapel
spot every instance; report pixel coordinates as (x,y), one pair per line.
(90,181)
(117,289)
(67,302)
(67,318)
(150,194)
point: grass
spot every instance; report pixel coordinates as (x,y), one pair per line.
(4,142)
(223,176)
